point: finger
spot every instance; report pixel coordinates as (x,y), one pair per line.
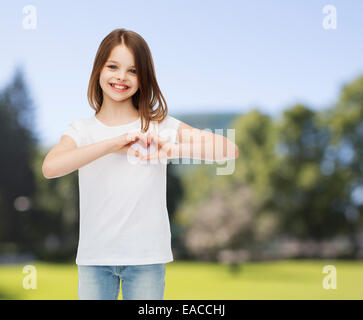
(131,137)
(148,139)
(143,139)
(137,136)
(129,150)
(149,156)
(160,154)
(165,145)
(132,152)
(158,140)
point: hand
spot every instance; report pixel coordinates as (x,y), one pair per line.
(164,149)
(123,143)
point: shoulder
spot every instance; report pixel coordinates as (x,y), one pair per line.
(169,122)
(167,128)
(82,123)
(180,132)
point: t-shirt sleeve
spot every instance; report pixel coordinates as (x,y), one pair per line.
(170,128)
(72,131)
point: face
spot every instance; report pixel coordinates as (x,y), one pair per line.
(119,69)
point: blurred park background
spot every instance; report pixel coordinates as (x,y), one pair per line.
(292,90)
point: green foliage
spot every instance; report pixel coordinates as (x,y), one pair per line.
(301,168)
(352,92)
(18,145)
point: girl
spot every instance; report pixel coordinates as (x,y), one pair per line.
(124,225)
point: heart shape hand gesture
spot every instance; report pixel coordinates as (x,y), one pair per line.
(122,144)
(164,149)
(146,147)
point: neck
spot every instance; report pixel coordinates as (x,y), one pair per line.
(117,110)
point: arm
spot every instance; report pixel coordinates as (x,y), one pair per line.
(194,144)
(65,157)
(204,145)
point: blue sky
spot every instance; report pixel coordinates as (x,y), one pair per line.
(209,55)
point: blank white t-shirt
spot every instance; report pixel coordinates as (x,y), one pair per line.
(123,213)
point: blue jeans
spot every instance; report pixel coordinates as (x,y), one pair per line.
(139,282)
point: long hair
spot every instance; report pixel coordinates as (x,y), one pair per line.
(148,93)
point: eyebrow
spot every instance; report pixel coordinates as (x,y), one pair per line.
(118,63)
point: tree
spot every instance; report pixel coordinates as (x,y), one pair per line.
(345,154)
(18,145)
(226,212)
(303,195)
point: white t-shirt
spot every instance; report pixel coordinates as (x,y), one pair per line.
(123,213)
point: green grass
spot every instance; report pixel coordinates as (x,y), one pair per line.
(195,280)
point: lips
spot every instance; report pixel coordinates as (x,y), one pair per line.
(119,84)
(118,89)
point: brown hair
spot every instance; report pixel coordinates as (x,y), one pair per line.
(145,98)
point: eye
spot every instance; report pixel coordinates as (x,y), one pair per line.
(111,67)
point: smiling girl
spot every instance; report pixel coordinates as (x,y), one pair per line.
(124,226)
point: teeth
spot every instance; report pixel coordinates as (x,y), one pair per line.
(119,87)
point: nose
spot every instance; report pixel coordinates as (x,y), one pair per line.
(121,75)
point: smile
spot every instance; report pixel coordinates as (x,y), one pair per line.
(118,88)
